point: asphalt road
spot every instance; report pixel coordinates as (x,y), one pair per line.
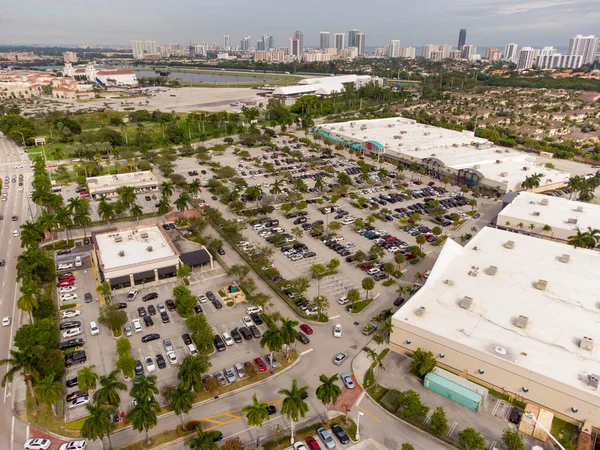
(11,429)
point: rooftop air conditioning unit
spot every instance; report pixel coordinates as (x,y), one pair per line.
(544,202)
(564,258)
(465,302)
(420,312)
(144,235)
(476,166)
(521,321)
(492,270)
(579,209)
(503,174)
(498,151)
(586,343)
(541,285)
(149,248)
(506,151)
(572,220)
(498,161)
(536,213)
(122,253)
(449,282)
(509,244)
(593,380)
(118,238)
(525,168)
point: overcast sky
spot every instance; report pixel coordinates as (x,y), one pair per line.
(414,23)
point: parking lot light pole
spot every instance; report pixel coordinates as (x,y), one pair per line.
(360,413)
(23,137)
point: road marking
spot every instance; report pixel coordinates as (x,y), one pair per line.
(493,446)
(369,414)
(306,351)
(12,433)
(496,407)
(452,428)
(428,417)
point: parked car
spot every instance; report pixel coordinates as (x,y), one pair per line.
(305,328)
(150,296)
(37,444)
(79,402)
(340,358)
(326,438)
(347,380)
(340,434)
(262,367)
(303,338)
(150,337)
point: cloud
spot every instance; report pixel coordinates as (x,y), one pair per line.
(523,7)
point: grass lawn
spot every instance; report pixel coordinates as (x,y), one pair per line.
(359,306)
(156,439)
(562,430)
(42,417)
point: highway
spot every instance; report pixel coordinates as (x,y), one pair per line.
(13,395)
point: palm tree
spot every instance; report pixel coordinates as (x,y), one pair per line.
(49,392)
(82,219)
(288,332)
(75,204)
(63,217)
(376,363)
(31,234)
(194,187)
(136,212)
(256,414)
(276,189)
(181,399)
(254,193)
(293,406)
(547,229)
(191,371)
(273,340)
(205,440)
(30,298)
(98,424)
(143,416)
(319,184)
(594,233)
(166,189)
(182,202)
(127,195)
(22,362)
(48,222)
(328,392)
(163,206)
(582,240)
(109,385)
(144,387)
(87,378)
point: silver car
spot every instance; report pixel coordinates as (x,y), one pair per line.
(229,375)
(340,358)
(347,380)
(168,345)
(128,330)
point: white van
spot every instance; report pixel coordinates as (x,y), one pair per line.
(192,349)
(137,325)
(94,328)
(78,262)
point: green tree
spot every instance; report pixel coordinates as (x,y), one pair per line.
(438,422)
(98,424)
(407,446)
(204,440)
(191,370)
(513,439)
(411,405)
(136,212)
(333,264)
(49,392)
(23,362)
(127,195)
(166,190)
(298,285)
(123,346)
(240,271)
(470,439)
(256,414)
(353,296)
(421,239)
(328,391)
(289,334)
(368,284)
(144,415)
(108,391)
(144,387)
(181,400)
(321,303)
(272,339)
(293,407)
(87,378)
(423,362)
(184,300)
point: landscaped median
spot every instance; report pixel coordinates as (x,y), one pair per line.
(208,397)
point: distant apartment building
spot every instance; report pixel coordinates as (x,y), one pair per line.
(226,42)
(427,49)
(469,52)
(456,54)
(137,48)
(352,37)
(510,52)
(407,52)
(436,52)
(586,46)
(245,44)
(295,47)
(394,49)
(152,47)
(462,38)
(558,61)
(319,56)
(339,41)
(70,57)
(526,58)
(324,40)
(269,55)
(299,35)
(349,52)
(360,43)
(492,54)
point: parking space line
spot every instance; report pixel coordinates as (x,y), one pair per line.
(452,428)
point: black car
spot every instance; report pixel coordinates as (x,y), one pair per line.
(255,331)
(235,334)
(70,324)
(150,337)
(256,319)
(150,296)
(399,301)
(303,338)
(77,357)
(210,296)
(71,343)
(340,433)
(170,304)
(198,309)
(515,415)
(75,394)
(217,304)
(142,311)
(71,382)
(304,395)
(219,344)
(148,198)
(271,410)
(148,321)
(218,436)
(88,297)
(187,340)
(160,361)
(164,317)
(151,310)
(139,368)
(245,332)
(64,251)
(121,305)
(2,262)
(221,251)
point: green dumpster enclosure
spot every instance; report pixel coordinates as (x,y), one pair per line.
(453,391)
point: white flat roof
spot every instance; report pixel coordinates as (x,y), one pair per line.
(555,213)
(559,316)
(134,244)
(454,148)
(110,183)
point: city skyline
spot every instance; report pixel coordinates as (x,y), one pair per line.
(487,21)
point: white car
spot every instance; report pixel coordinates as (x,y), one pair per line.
(72,332)
(254,310)
(73,445)
(79,402)
(94,328)
(16,232)
(337,330)
(137,325)
(227,338)
(70,313)
(247,321)
(202,298)
(373,271)
(299,446)
(172,356)
(68,297)
(6,321)
(132,294)
(37,444)
(150,364)
(67,289)
(343,300)
(65,266)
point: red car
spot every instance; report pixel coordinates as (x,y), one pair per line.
(306,329)
(67,278)
(409,256)
(262,367)
(367,267)
(65,283)
(312,443)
